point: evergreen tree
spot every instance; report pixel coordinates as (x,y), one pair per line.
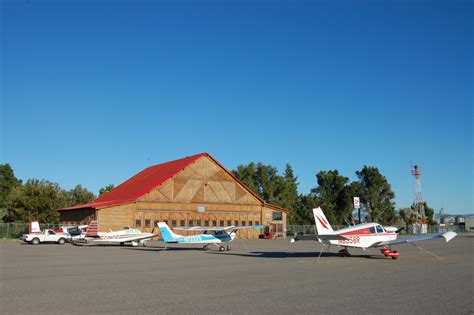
(377,195)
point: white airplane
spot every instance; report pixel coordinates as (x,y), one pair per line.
(365,236)
(132,236)
(219,237)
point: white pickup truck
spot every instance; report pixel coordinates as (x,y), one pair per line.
(46,236)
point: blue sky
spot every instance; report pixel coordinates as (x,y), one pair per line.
(94,91)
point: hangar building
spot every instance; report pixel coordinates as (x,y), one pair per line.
(192,191)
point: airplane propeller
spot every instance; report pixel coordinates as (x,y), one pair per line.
(399,230)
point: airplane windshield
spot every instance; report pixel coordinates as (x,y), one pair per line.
(379,229)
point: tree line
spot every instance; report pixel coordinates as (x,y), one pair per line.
(39,199)
(333,192)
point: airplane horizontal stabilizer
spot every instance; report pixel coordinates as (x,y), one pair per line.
(329,237)
(313,237)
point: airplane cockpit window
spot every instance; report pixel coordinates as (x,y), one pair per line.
(372,230)
(379,229)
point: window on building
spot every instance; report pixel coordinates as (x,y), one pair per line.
(155,222)
(147,223)
(243,223)
(138,223)
(250,223)
(173,223)
(214,223)
(229,222)
(198,222)
(182,223)
(206,223)
(277,216)
(236,223)
(221,223)
(190,223)
(257,222)
(372,230)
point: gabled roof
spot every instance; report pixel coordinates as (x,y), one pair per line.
(151,177)
(140,184)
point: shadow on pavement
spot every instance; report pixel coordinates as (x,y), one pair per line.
(297,255)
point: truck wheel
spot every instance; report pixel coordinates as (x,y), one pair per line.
(61,241)
(35,241)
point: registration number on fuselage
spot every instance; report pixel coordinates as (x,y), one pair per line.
(350,240)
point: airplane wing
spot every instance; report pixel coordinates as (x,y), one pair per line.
(446,235)
(231,227)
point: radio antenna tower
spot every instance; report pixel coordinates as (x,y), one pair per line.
(419,204)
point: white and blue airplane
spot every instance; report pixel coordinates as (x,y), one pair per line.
(221,237)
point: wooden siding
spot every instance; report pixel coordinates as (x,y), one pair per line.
(116,217)
(202,181)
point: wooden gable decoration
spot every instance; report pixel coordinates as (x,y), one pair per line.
(204,181)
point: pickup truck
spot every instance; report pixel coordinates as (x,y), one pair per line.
(46,236)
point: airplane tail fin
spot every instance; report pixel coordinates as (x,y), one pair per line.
(34,227)
(92,229)
(168,235)
(322,224)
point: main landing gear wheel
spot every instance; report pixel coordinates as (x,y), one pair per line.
(205,247)
(228,247)
(344,253)
(61,241)
(221,248)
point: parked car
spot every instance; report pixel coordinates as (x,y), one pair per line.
(46,236)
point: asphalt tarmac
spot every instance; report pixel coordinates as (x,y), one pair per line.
(257,276)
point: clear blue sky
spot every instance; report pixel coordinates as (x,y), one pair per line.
(95,91)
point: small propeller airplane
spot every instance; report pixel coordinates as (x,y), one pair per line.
(221,237)
(132,236)
(365,236)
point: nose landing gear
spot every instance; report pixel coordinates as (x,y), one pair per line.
(388,252)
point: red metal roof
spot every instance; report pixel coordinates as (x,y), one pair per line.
(140,184)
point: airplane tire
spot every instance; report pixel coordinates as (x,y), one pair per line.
(222,248)
(61,241)
(228,247)
(122,244)
(205,247)
(35,241)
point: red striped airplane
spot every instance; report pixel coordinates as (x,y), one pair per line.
(365,236)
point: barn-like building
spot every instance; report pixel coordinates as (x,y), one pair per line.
(193,191)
